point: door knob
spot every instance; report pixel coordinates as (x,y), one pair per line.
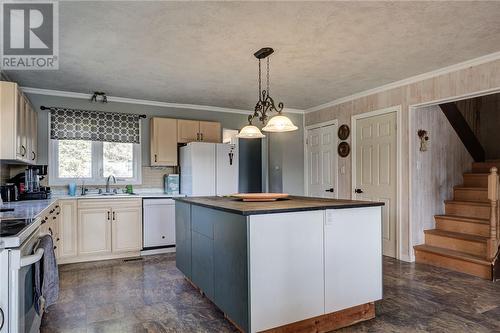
(329,190)
(358,190)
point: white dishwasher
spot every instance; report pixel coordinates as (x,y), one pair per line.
(158,223)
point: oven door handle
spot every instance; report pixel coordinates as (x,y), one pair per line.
(31,259)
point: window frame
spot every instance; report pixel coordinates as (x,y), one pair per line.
(97,166)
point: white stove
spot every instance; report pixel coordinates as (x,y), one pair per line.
(18,239)
(13,232)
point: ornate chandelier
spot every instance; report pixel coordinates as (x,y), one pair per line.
(266,105)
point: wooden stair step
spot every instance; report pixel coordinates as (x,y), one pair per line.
(472,244)
(461,193)
(462,224)
(474,209)
(453,260)
(475,179)
(482,167)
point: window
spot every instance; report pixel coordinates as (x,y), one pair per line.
(93,161)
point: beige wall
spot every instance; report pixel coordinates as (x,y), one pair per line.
(458,83)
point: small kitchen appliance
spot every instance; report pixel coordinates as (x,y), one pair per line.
(28,183)
(9,192)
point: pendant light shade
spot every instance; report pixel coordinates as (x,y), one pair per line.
(250,132)
(280,123)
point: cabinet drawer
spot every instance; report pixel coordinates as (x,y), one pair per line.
(203,264)
(202,220)
(106,203)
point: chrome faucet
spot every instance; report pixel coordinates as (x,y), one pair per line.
(107,182)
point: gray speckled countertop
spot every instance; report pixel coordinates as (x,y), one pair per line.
(32,208)
(26,209)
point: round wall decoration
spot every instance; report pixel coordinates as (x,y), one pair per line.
(344,132)
(344,149)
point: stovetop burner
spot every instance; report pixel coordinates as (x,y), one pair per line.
(13,227)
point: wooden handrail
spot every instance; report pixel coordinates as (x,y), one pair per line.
(494,222)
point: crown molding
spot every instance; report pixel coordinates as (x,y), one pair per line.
(413,79)
(70,94)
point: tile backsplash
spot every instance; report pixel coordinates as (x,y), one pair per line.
(152,180)
(152,177)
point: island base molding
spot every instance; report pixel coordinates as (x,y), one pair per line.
(330,321)
(320,324)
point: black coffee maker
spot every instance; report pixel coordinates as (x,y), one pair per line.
(28,183)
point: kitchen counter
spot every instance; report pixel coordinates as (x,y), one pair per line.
(283,265)
(33,208)
(291,204)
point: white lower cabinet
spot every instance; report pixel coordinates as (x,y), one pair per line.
(94,231)
(67,229)
(353,257)
(126,229)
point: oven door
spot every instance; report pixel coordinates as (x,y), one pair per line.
(23,317)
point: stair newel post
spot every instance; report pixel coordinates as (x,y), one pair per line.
(493,198)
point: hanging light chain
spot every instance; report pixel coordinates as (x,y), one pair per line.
(260,82)
(268,89)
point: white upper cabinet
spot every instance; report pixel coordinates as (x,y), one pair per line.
(18,125)
(163,142)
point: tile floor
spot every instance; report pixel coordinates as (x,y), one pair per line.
(151,295)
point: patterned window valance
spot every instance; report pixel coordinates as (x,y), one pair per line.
(71,124)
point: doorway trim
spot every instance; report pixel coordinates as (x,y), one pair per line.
(399,167)
(306,153)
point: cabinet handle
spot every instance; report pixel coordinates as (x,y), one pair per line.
(201,134)
(34,156)
(156,158)
(197,136)
(108,215)
(23,150)
(55,247)
(50,231)
(114,216)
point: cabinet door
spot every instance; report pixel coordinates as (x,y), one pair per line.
(210,131)
(187,130)
(203,263)
(33,135)
(183,237)
(163,142)
(345,230)
(22,128)
(94,231)
(126,229)
(67,229)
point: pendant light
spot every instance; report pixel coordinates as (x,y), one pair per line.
(250,132)
(265,105)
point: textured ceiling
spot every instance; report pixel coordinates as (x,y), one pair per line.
(201,52)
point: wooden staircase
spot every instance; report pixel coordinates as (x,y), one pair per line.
(466,237)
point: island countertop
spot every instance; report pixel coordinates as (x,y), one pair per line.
(291,204)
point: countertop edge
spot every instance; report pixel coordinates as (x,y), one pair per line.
(278,210)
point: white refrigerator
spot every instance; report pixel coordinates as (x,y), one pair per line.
(209,169)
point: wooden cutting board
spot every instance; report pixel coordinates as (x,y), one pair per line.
(255,197)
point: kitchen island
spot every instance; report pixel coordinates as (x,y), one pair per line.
(295,265)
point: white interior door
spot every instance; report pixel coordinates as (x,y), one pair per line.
(375,170)
(322,161)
